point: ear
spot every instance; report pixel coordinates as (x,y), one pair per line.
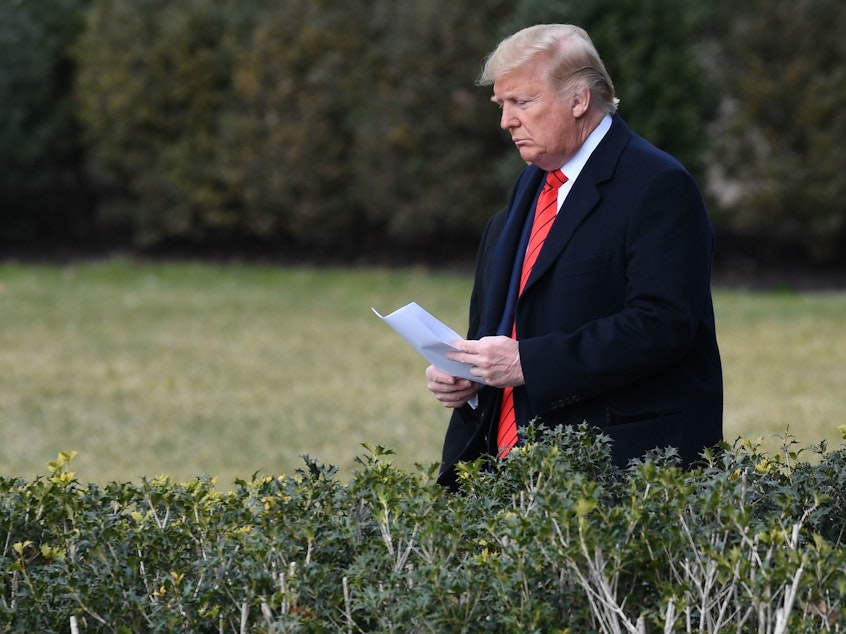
(580,102)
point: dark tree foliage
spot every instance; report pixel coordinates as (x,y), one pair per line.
(41,191)
(285,139)
(154,80)
(428,144)
(356,128)
(335,126)
(782,67)
(364,131)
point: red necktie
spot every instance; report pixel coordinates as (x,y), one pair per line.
(545,211)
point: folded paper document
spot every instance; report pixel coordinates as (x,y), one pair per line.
(430,337)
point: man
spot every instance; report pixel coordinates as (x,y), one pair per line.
(606,319)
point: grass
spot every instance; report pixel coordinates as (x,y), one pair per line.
(784,365)
(221,370)
(188,369)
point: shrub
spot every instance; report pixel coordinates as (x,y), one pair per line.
(154,78)
(782,67)
(332,125)
(553,540)
(428,155)
(285,139)
(42,191)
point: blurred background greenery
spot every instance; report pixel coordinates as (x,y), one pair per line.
(354,130)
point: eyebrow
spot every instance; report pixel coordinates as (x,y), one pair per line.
(514,96)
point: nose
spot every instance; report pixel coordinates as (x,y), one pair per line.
(507,120)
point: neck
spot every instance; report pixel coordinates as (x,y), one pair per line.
(588,123)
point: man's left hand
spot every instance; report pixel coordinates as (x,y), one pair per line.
(495,359)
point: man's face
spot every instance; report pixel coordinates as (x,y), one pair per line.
(541,123)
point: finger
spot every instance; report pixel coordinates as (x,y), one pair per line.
(439,376)
(468,358)
(467,346)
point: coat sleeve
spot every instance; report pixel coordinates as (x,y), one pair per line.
(464,439)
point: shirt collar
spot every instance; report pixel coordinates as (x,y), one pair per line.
(574,166)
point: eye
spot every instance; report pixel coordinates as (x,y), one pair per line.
(523,102)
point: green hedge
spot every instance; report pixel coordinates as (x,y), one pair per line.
(558,541)
(343,126)
(355,128)
(43,192)
(782,68)
(346,126)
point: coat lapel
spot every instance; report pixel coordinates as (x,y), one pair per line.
(501,288)
(582,198)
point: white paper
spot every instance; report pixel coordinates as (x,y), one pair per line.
(430,337)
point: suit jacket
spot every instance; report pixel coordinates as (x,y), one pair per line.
(616,322)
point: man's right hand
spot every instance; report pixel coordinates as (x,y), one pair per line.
(449,390)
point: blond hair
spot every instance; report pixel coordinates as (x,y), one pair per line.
(572,60)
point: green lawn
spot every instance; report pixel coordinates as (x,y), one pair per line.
(784,364)
(188,369)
